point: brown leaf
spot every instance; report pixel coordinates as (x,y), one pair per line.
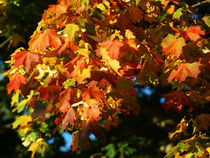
(176,100)
(51,92)
(203,122)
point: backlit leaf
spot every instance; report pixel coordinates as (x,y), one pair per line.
(15,83)
(185,70)
(25,58)
(113,48)
(47,38)
(194,32)
(173,45)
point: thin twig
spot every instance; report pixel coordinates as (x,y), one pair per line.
(5,42)
(201,4)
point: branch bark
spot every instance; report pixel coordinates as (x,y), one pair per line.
(201,4)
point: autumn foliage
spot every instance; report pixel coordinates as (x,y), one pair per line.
(82,58)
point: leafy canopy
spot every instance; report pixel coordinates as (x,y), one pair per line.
(82,58)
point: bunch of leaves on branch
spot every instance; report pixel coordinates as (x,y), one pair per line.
(83,56)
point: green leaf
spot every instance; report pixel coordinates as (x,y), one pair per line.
(71,30)
(69,82)
(101,7)
(206,19)
(181,146)
(178,13)
(30,138)
(43,127)
(162,17)
(111,152)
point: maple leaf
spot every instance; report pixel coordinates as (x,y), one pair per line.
(15,83)
(92,92)
(173,45)
(25,58)
(57,10)
(185,70)
(64,99)
(91,112)
(113,47)
(113,63)
(194,32)
(51,92)
(69,118)
(71,30)
(45,39)
(176,100)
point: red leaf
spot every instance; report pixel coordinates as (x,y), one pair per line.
(51,92)
(26,59)
(15,83)
(69,118)
(64,99)
(113,47)
(135,14)
(47,38)
(184,71)
(194,32)
(96,93)
(92,92)
(176,100)
(95,129)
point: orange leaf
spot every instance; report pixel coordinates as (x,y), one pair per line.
(75,141)
(184,71)
(194,32)
(113,47)
(25,58)
(15,83)
(171,9)
(47,38)
(92,112)
(51,92)
(173,45)
(176,100)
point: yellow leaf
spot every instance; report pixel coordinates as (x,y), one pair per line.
(49,60)
(15,97)
(208,149)
(129,34)
(39,146)
(22,121)
(113,63)
(171,9)
(84,52)
(33,147)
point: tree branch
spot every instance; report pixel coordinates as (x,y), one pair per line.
(201,4)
